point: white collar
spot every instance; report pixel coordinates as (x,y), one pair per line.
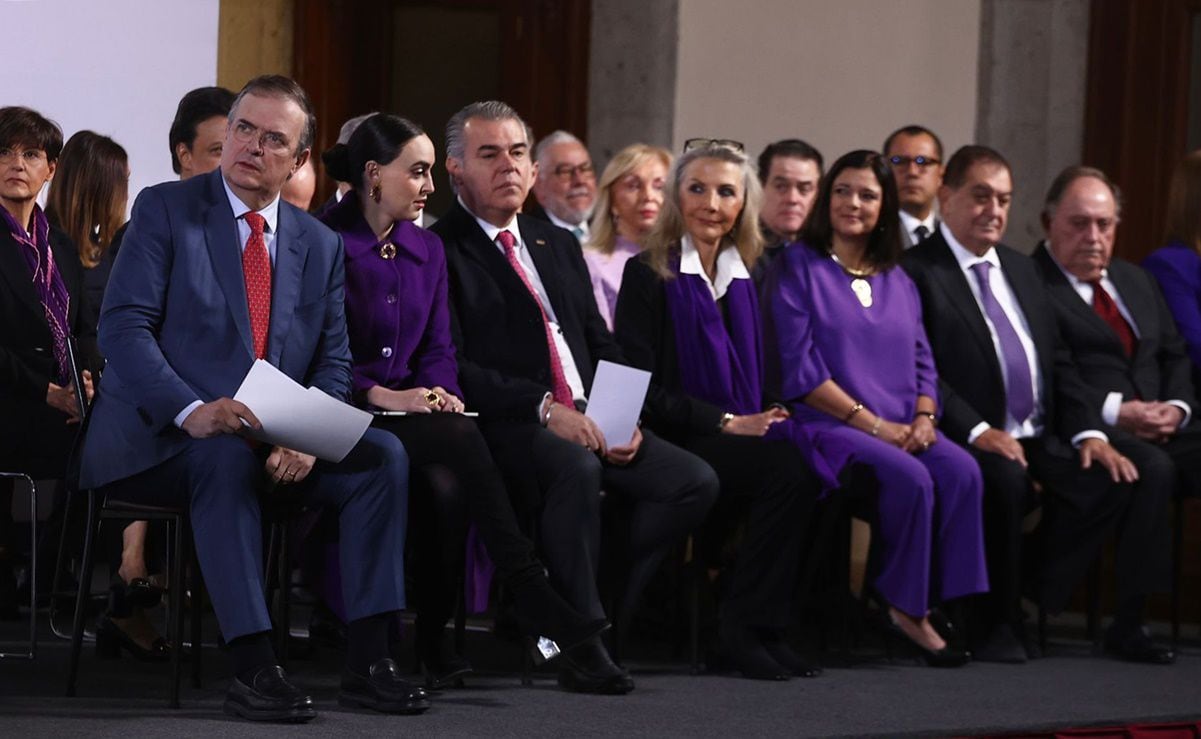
(965,257)
(582,225)
(729,266)
(491,230)
(269,212)
(911,223)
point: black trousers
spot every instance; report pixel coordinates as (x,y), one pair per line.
(453,478)
(667,490)
(771,479)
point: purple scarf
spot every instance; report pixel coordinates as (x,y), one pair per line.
(48,282)
(723,367)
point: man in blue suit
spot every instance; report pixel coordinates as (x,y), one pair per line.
(215,272)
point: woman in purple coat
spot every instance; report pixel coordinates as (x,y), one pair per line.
(399,327)
(846,349)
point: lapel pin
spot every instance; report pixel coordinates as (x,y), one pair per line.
(540,242)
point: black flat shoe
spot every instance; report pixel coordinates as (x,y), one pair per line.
(111,639)
(1137,646)
(588,669)
(744,651)
(268,696)
(382,689)
(783,654)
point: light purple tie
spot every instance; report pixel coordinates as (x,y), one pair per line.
(1020,394)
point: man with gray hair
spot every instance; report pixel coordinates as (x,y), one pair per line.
(565,188)
(529,336)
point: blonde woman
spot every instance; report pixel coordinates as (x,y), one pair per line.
(627,206)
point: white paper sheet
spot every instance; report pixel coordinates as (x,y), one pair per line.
(616,401)
(304,419)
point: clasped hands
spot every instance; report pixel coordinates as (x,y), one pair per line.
(62,398)
(916,436)
(228,416)
(1151,420)
(568,423)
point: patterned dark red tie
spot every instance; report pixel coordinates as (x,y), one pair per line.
(560,390)
(1105,307)
(256,266)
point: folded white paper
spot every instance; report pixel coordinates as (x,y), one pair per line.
(304,419)
(615,403)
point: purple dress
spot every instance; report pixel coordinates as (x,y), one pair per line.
(1177,269)
(817,330)
(605,271)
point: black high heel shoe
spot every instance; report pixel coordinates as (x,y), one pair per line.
(111,639)
(948,656)
(141,593)
(538,611)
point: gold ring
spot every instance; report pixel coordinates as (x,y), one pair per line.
(432,398)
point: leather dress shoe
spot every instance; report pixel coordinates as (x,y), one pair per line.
(779,650)
(744,651)
(1137,646)
(1001,645)
(382,689)
(268,696)
(588,669)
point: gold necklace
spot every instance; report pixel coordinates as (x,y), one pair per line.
(861,287)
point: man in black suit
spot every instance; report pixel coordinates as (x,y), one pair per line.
(1013,398)
(529,337)
(915,155)
(1130,355)
(565,188)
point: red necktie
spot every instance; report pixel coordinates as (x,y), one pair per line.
(256,267)
(560,390)
(1105,307)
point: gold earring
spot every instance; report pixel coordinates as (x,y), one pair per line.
(375,192)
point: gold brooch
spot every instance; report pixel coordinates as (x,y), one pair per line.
(387,250)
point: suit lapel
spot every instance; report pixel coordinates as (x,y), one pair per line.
(225,251)
(16,272)
(486,253)
(1133,296)
(540,252)
(959,293)
(1063,292)
(290,253)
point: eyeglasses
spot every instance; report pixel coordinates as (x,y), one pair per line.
(731,144)
(566,172)
(245,132)
(29,156)
(921,161)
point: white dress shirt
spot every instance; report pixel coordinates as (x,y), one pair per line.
(526,260)
(1032,426)
(270,214)
(910,224)
(578,230)
(1112,405)
(729,266)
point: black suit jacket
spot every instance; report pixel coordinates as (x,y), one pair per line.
(969,370)
(504,364)
(26,345)
(1160,368)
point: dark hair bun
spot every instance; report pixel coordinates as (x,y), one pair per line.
(337,163)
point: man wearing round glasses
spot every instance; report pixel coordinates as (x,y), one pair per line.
(915,155)
(565,187)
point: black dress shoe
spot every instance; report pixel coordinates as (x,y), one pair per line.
(588,669)
(382,689)
(779,650)
(744,651)
(538,611)
(268,696)
(1137,646)
(1001,645)
(111,639)
(443,670)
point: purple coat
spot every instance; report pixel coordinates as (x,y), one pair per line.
(396,309)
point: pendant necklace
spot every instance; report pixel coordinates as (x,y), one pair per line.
(861,287)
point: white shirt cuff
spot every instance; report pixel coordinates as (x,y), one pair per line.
(1079,438)
(1111,408)
(541,403)
(976,431)
(1188,412)
(187,411)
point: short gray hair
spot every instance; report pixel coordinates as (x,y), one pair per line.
(555,137)
(349,126)
(279,86)
(487,110)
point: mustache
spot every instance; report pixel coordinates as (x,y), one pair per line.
(581,191)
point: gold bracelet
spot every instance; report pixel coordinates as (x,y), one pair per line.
(933,418)
(876,426)
(854,409)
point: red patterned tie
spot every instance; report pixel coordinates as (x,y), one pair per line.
(560,390)
(1105,307)
(256,266)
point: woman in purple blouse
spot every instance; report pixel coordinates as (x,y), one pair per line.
(846,349)
(404,361)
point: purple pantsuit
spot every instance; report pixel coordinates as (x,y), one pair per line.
(816,329)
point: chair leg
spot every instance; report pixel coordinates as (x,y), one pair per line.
(1042,630)
(284,617)
(177,592)
(694,614)
(1177,556)
(82,592)
(60,565)
(461,618)
(197,612)
(33,568)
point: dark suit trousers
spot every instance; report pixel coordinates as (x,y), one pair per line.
(221,479)
(772,477)
(668,490)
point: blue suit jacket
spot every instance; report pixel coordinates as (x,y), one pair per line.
(175,326)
